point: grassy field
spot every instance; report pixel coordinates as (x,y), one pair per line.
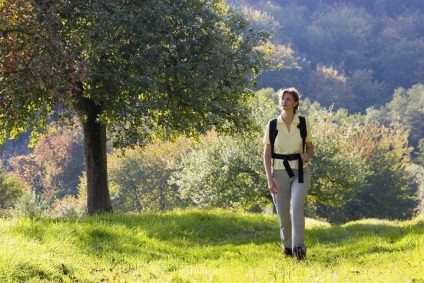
(206,246)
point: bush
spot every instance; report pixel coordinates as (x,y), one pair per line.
(11,189)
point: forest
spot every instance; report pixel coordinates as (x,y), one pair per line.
(359,66)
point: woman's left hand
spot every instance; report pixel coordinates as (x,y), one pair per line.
(304,156)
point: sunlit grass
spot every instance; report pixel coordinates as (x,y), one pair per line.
(200,246)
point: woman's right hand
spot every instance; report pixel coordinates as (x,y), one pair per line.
(272,186)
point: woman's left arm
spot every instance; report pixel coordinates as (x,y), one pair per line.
(308,153)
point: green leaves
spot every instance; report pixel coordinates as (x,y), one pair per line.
(223,172)
(192,62)
(337,167)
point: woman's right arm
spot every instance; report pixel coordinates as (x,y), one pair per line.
(267,164)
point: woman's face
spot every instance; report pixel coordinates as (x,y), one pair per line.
(287,102)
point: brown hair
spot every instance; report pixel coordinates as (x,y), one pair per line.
(294,93)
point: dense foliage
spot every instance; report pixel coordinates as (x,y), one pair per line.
(140,177)
(54,167)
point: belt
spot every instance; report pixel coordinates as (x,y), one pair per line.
(290,157)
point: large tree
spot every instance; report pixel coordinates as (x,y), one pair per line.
(131,70)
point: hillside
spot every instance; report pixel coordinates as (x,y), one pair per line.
(352,54)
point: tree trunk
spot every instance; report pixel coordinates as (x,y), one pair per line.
(98,197)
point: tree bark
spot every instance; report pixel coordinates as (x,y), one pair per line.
(98,197)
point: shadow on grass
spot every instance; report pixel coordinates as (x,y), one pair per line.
(156,235)
(202,228)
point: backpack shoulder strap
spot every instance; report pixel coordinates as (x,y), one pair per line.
(303,131)
(272,133)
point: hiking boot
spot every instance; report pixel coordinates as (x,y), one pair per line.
(288,252)
(299,253)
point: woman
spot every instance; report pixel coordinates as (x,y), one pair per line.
(289,158)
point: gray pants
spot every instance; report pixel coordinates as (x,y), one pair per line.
(289,203)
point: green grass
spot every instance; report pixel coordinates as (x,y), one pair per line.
(200,246)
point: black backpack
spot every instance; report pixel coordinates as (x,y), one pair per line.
(273,132)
